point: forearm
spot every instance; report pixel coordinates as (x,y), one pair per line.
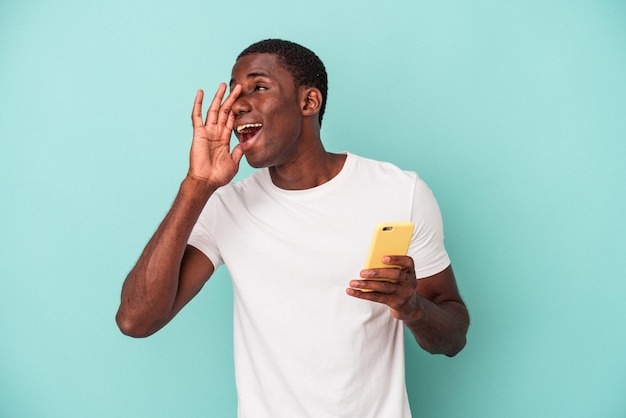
(149,291)
(440,328)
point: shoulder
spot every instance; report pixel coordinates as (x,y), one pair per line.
(381,169)
(254,183)
(391,180)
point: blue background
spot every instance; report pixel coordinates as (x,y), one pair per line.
(513,111)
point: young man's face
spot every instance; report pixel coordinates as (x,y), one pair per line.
(268,120)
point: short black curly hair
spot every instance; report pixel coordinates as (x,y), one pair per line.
(306,68)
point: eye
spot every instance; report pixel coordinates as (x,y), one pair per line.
(259,87)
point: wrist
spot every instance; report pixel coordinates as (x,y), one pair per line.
(197,187)
(414,311)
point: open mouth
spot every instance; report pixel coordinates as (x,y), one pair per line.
(247,131)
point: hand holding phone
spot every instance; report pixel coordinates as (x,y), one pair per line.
(390,238)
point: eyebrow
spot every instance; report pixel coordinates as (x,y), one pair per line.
(249,76)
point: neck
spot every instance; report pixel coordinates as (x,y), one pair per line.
(316,166)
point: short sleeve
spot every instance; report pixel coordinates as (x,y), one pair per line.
(202,235)
(427,247)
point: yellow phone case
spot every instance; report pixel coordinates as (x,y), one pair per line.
(390,238)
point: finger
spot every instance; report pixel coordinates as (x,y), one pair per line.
(403,261)
(237,153)
(390,274)
(212,114)
(196,112)
(373,296)
(381,286)
(358,293)
(225,109)
(230,124)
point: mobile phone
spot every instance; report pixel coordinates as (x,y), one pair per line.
(390,238)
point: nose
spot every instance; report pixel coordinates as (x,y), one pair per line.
(241,105)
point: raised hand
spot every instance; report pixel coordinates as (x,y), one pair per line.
(211,158)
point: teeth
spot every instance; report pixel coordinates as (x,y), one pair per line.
(242,128)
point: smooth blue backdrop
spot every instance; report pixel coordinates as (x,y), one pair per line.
(513,111)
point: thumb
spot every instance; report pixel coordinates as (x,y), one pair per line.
(236,154)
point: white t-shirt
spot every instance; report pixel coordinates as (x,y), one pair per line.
(303,347)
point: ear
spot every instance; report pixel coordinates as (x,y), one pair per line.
(311,100)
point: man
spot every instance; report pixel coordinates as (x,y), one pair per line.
(309,341)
